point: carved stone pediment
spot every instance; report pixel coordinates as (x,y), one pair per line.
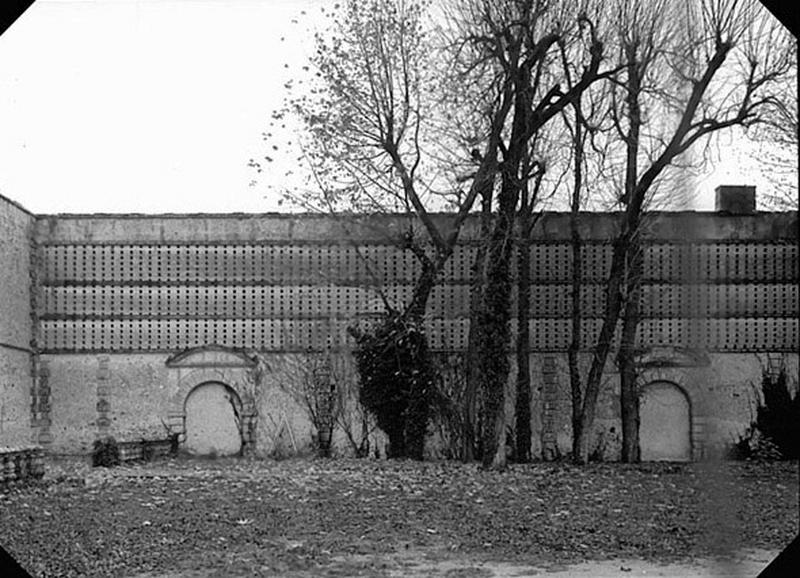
(668,356)
(211,356)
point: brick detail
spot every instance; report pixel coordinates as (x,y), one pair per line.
(41,403)
(550,404)
(40,372)
(103,406)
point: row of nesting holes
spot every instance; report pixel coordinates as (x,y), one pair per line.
(159,335)
(276,264)
(272,334)
(258,301)
(271,264)
(715,334)
(446,301)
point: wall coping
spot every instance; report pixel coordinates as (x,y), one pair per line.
(14,203)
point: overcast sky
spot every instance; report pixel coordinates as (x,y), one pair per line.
(157,105)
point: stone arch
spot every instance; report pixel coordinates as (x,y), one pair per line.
(682,370)
(202,375)
(229,378)
(212,420)
(665,429)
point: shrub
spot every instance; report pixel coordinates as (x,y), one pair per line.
(397,382)
(449,404)
(778,417)
(741,448)
(753,445)
(775,433)
(105,453)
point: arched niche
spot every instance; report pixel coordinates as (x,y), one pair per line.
(665,427)
(208,377)
(213,420)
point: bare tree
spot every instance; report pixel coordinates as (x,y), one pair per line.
(691,69)
(550,152)
(584,124)
(522,38)
(377,138)
(352,418)
(778,141)
(311,383)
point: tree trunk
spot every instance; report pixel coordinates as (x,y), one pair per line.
(575,343)
(397,440)
(416,421)
(601,349)
(416,414)
(629,398)
(629,393)
(423,287)
(494,317)
(577,285)
(495,314)
(493,320)
(522,408)
(469,439)
(473,382)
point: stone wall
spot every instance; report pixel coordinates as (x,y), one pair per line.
(16,226)
(722,391)
(143,396)
(132,313)
(139,396)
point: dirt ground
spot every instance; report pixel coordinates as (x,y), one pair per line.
(339,518)
(424,564)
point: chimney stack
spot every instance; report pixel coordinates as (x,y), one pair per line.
(735,199)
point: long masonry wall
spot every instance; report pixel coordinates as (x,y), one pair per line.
(117,296)
(107,302)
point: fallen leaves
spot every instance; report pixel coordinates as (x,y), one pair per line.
(301,514)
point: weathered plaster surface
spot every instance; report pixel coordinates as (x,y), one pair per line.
(15,263)
(722,399)
(15,398)
(15,324)
(144,395)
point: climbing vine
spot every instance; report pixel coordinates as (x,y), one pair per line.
(397,381)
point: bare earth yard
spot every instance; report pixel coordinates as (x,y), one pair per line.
(339,518)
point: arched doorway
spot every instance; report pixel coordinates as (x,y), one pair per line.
(665,426)
(213,420)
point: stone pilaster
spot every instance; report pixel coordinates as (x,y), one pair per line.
(700,430)
(103,398)
(549,407)
(176,422)
(249,423)
(39,370)
(41,403)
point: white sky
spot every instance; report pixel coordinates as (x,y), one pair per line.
(156,106)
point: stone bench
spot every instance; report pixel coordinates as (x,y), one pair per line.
(20,464)
(144,450)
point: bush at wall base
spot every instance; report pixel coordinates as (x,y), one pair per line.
(775,433)
(397,382)
(105,453)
